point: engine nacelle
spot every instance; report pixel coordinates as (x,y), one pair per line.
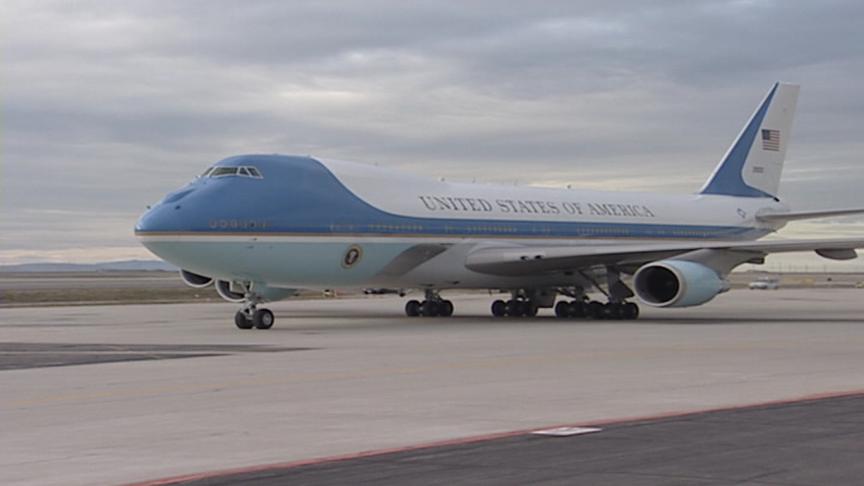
(194,280)
(677,283)
(223,287)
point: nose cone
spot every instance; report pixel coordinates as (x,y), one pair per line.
(158,219)
(166,216)
(157,227)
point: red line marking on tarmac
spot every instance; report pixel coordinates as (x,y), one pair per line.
(478,438)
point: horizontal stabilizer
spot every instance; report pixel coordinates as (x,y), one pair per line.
(780,217)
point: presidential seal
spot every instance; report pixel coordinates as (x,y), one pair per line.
(352,256)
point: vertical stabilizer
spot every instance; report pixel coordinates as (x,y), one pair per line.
(753,164)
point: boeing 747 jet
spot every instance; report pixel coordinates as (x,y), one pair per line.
(258,227)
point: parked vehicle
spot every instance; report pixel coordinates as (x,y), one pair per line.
(765,283)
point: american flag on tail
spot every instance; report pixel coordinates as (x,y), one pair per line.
(771,140)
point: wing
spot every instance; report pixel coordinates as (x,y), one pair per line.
(795,216)
(524,260)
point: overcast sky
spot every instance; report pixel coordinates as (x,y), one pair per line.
(107,105)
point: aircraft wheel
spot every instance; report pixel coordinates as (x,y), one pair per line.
(595,310)
(630,311)
(241,321)
(563,310)
(612,311)
(429,308)
(514,308)
(412,308)
(577,309)
(445,308)
(263,319)
(499,308)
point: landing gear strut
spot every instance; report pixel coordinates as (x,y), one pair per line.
(251,316)
(432,306)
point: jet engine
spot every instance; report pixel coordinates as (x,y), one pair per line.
(677,283)
(195,280)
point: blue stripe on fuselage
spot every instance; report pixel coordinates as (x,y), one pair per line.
(299,195)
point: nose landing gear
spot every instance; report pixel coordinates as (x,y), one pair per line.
(251,316)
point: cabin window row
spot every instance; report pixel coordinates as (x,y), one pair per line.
(578,232)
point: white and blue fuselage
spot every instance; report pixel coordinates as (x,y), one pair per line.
(294,223)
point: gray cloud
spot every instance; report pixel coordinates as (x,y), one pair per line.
(109,104)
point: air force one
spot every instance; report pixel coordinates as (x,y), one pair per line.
(261,226)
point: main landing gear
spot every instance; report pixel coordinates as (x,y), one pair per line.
(616,309)
(432,306)
(251,316)
(517,307)
(525,302)
(575,309)
(596,310)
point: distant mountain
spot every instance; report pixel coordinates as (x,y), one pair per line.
(121,266)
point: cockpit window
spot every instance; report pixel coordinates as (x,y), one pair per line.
(244,171)
(223,171)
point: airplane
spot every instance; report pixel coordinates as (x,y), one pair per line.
(259,227)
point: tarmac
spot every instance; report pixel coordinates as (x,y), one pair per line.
(814,442)
(139,393)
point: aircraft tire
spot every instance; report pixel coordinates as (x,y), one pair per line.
(429,308)
(499,308)
(577,309)
(514,308)
(445,308)
(241,321)
(613,311)
(412,308)
(594,310)
(630,311)
(563,310)
(263,319)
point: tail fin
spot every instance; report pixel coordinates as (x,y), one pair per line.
(753,164)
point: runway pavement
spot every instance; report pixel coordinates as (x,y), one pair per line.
(346,376)
(814,442)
